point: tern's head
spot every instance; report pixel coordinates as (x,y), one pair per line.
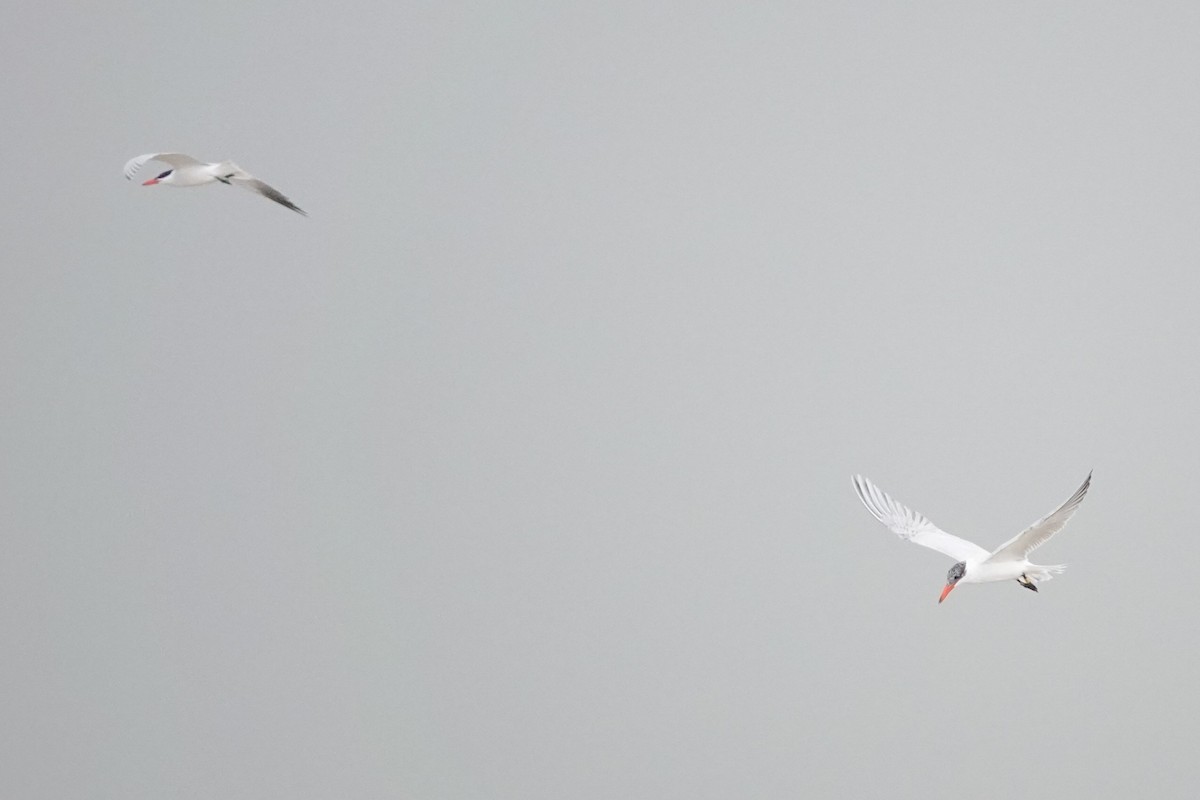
(159,179)
(953,577)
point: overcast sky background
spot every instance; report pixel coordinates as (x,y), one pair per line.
(520,469)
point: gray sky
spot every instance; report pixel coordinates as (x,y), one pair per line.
(521,468)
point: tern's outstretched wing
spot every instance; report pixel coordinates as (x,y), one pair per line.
(911,526)
(266,190)
(1025,542)
(239,177)
(176,160)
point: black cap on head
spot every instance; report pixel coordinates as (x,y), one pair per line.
(956,572)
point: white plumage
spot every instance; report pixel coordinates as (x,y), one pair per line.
(188,171)
(1010,561)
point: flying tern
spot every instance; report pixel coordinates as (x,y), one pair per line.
(187,171)
(1010,561)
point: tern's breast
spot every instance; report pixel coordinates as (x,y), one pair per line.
(987,571)
(193,176)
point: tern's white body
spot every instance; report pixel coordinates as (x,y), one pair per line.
(187,171)
(1010,561)
(983,570)
(198,175)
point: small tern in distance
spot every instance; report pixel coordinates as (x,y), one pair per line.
(187,171)
(1010,561)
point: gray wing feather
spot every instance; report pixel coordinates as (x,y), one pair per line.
(911,525)
(266,190)
(244,179)
(176,160)
(1028,540)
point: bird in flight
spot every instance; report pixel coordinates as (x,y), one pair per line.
(187,171)
(1010,561)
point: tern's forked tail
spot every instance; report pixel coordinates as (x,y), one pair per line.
(1045,573)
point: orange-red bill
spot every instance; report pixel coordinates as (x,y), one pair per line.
(946,591)
(150,182)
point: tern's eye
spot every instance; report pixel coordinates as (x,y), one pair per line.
(165,174)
